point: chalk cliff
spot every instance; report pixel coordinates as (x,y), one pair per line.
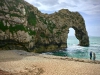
(23,26)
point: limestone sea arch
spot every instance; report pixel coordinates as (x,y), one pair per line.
(23,26)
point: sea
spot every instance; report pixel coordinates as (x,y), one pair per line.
(75,51)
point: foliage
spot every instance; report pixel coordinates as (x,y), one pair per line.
(32,32)
(22,28)
(15,15)
(32,19)
(3,12)
(42,20)
(42,35)
(2,27)
(16,28)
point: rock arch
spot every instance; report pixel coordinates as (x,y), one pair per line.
(80,30)
(81,35)
(42,32)
(74,20)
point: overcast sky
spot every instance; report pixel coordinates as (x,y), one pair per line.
(89,9)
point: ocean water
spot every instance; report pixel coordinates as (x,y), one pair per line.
(76,51)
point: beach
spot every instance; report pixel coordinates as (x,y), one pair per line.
(19,62)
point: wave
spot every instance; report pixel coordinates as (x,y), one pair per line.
(75,47)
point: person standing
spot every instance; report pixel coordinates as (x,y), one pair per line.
(94,56)
(90,55)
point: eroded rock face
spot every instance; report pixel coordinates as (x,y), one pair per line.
(23,26)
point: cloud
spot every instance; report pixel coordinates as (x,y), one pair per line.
(86,6)
(48,2)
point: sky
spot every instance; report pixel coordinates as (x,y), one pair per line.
(89,9)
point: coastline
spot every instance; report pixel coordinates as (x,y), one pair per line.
(19,62)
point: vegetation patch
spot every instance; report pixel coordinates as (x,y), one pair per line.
(3,12)
(16,28)
(2,27)
(32,19)
(42,35)
(42,20)
(32,32)
(15,15)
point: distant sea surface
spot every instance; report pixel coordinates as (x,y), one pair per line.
(76,51)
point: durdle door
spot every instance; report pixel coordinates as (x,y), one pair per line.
(23,26)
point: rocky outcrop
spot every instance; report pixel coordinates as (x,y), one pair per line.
(23,26)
